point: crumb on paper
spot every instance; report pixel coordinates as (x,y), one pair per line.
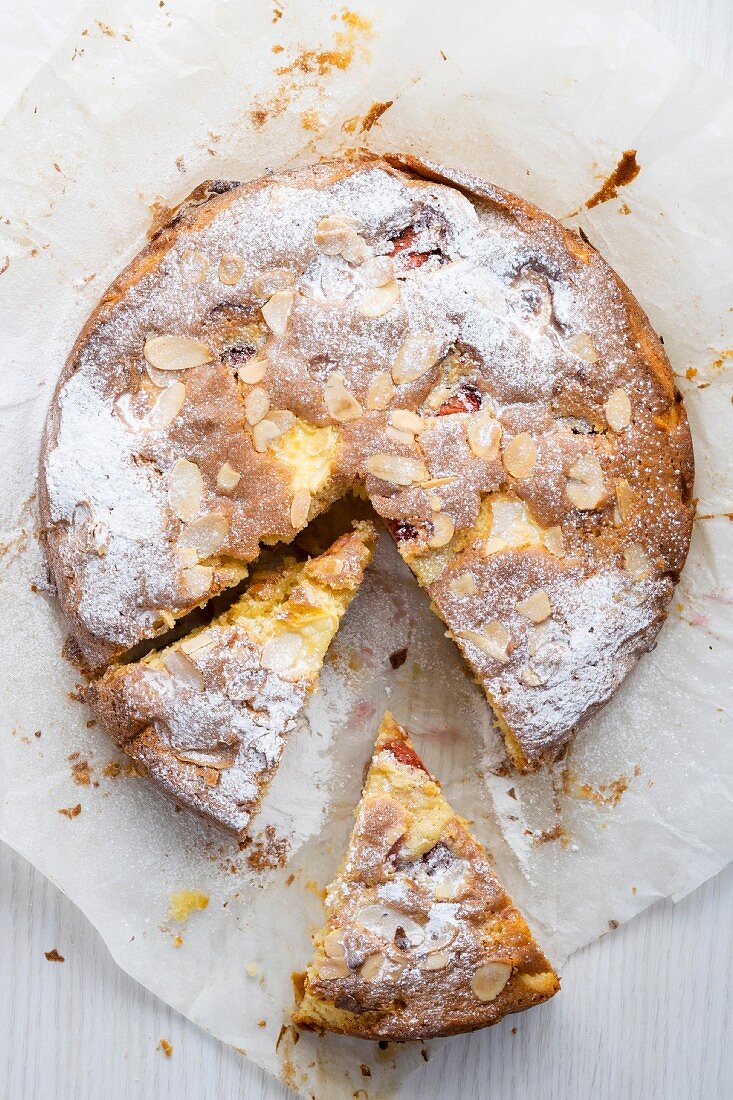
(373,115)
(613,924)
(268,851)
(80,773)
(166,1047)
(183,902)
(111,770)
(398,658)
(53,956)
(365,1071)
(624,173)
(252,970)
(605,794)
(70,811)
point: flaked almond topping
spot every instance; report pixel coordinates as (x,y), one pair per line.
(340,402)
(443,530)
(379,300)
(437,397)
(406,421)
(198,643)
(493,640)
(378,271)
(465,585)
(437,961)
(528,676)
(228,478)
(520,455)
(265,433)
(206,535)
(167,406)
(618,410)
(586,487)
(417,355)
(399,437)
(397,469)
(182,668)
(176,352)
(252,371)
(554,541)
(624,499)
(372,966)
(159,378)
(381,391)
(256,405)
(271,280)
(386,922)
(196,580)
(489,980)
(636,560)
(582,346)
(299,509)
(436,504)
(186,555)
(437,482)
(185,488)
(276,311)
(201,270)
(329,969)
(332,233)
(284,419)
(333,945)
(356,250)
(231,269)
(168,619)
(484,436)
(536,607)
(281,653)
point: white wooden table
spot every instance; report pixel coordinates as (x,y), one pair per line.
(645,1013)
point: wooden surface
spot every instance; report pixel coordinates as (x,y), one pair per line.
(646,1012)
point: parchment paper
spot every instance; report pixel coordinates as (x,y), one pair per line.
(137,107)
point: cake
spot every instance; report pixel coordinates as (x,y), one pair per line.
(421,939)
(207,717)
(393,327)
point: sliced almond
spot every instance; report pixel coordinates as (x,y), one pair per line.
(198,643)
(227,478)
(378,271)
(520,456)
(406,421)
(176,352)
(379,300)
(265,433)
(618,410)
(437,396)
(283,418)
(536,607)
(196,580)
(582,346)
(416,356)
(231,269)
(436,504)
(185,488)
(333,233)
(397,469)
(340,402)
(489,980)
(465,585)
(281,653)
(206,535)
(272,280)
(529,677)
(624,499)
(484,435)
(276,311)
(636,561)
(381,391)
(438,960)
(554,541)
(256,405)
(252,371)
(333,944)
(443,530)
(329,969)
(186,555)
(493,640)
(586,487)
(167,406)
(182,668)
(299,509)
(372,966)
(399,437)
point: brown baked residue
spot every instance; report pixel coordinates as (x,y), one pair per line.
(374,114)
(53,956)
(269,852)
(71,811)
(624,173)
(80,773)
(605,794)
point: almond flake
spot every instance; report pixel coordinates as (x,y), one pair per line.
(528,676)
(252,371)
(228,478)
(400,437)
(256,405)
(397,469)
(330,969)
(272,280)
(333,944)
(379,300)
(196,580)
(437,482)
(281,653)
(554,541)
(484,435)
(283,418)
(340,402)
(586,487)
(406,421)
(618,410)
(624,498)
(443,530)
(299,509)
(536,607)
(381,391)
(333,233)
(436,504)
(372,966)
(231,269)
(176,353)
(465,585)
(186,556)
(493,640)
(636,561)
(582,346)
(489,980)
(265,433)
(520,456)
(276,311)
(167,406)
(185,488)
(182,668)
(378,271)
(438,960)
(438,397)
(415,358)
(206,535)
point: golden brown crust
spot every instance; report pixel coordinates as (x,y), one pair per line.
(422,940)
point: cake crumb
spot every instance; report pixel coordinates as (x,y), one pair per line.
(71,811)
(166,1047)
(183,902)
(53,956)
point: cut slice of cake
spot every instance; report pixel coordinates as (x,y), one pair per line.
(207,717)
(422,940)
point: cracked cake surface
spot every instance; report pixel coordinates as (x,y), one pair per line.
(395,326)
(421,940)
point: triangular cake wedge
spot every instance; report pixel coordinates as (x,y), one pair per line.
(206,718)
(421,940)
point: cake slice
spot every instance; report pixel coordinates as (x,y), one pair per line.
(207,717)
(421,939)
